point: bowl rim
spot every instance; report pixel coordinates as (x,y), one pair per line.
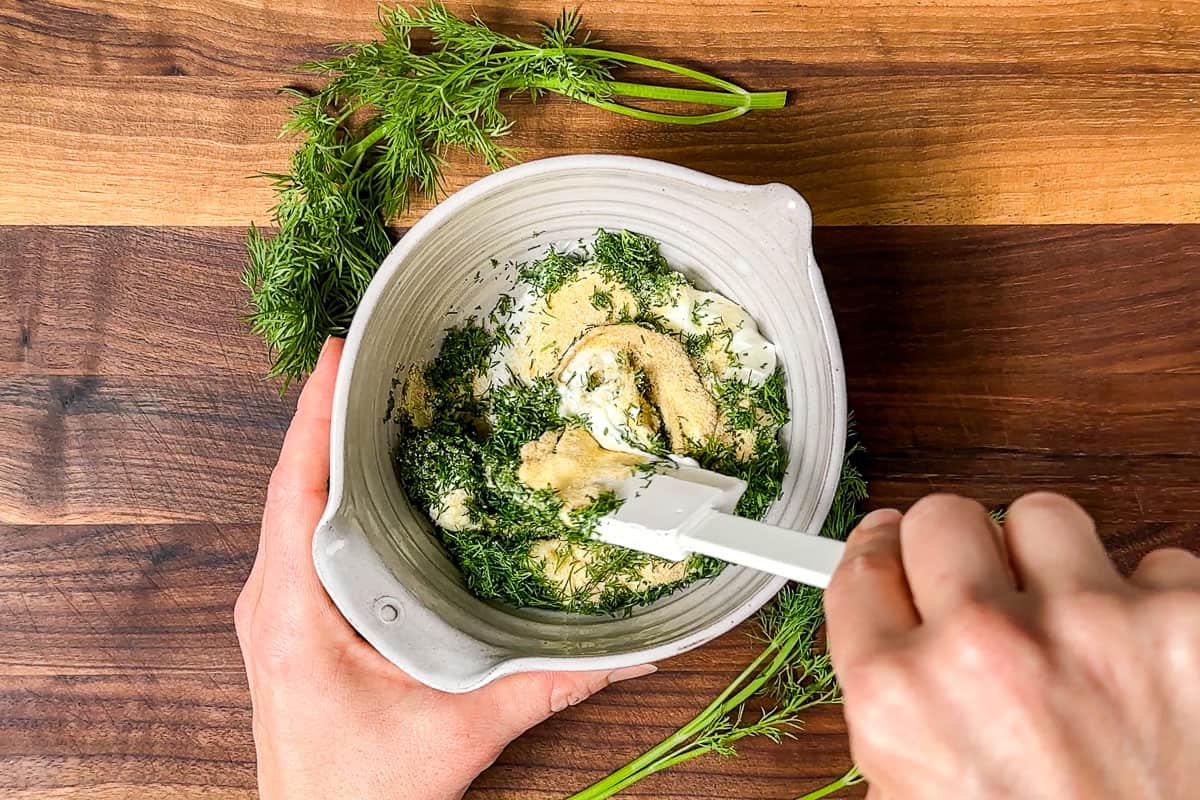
(413,237)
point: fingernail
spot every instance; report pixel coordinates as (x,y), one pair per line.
(626,673)
(324,347)
(880,517)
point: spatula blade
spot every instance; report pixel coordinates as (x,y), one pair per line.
(657,508)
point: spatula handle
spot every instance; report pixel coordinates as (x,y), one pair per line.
(793,554)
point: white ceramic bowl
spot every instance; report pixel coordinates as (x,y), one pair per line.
(375,554)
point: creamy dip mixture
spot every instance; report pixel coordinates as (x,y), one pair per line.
(600,362)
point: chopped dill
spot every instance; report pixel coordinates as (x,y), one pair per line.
(521,413)
(655,322)
(550,271)
(602,300)
(635,261)
(697,344)
(763,471)
(520,545)
(464,352)
(771,397)
(736,400)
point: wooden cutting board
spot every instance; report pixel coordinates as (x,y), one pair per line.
(1006,197)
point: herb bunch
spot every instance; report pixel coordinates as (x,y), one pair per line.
(379,132)
(790,675)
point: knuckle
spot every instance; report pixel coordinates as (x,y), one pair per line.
(1172,620)
(277,647)
(867,564)
(273,661)
(551,692)
(1045,499)
(563,690)
(1077,622)
(1166,558)
(983,636)
(878,697)
(1090,611)
(872,537)
(243,612)
(1050,504)
(870,681)
(934,506)
(1174,610)
(879,520)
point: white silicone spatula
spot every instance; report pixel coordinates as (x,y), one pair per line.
(685,510)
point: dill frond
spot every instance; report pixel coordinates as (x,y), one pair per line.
(379,131)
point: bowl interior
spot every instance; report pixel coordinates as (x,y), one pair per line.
(751,244)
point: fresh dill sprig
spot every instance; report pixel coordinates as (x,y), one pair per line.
(790,675)
(379,131)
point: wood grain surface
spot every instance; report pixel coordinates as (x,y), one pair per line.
(137,433)
(967,113)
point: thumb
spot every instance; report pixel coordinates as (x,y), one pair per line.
(528,698)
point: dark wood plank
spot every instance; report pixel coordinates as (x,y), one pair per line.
(125,302)
(994,361)
(229,37)
(126,735)
(984,360)
(89,449)
(130,391)
(134,599)
(120,672)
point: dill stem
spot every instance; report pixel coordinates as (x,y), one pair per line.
(733,98)
(360,148)
(745,674)
(694,750)
(664,66)
(673,749)
(754,100)
(647,762)
(736,99)
(658,766)
(851,777)
(658,116)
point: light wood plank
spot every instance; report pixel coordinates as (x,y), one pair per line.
(738,37)
(971,150)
